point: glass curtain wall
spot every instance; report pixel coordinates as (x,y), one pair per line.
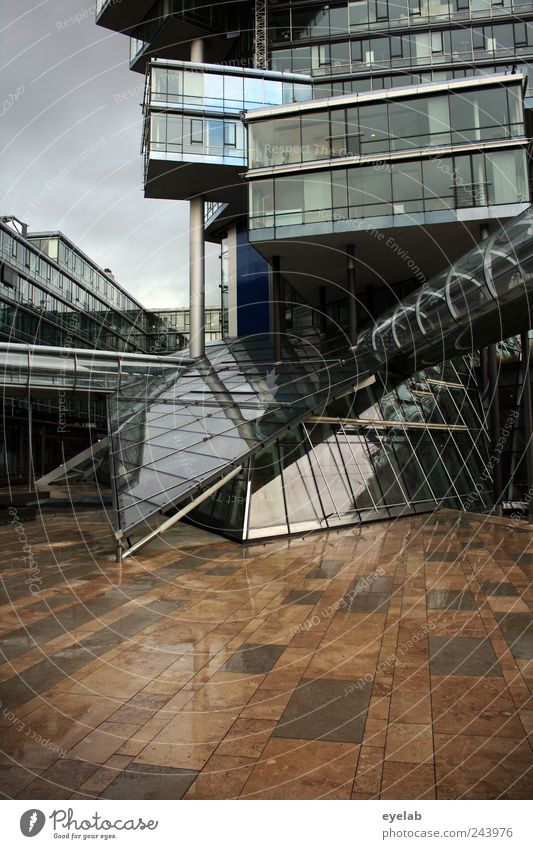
(456,117)
(469,180)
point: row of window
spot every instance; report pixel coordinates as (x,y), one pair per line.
(49,277)
(455,117)
(357,85)
(80,317)
(303,23)
(180,319)
(70,259)
(390,189)
(414,48)
(48,329)
(222,92)
(182,134)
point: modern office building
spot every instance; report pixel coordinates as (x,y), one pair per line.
(344,173)
(53,294)
(178,322)
(343,155)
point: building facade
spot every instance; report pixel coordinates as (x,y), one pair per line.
(345,157)
(52,293)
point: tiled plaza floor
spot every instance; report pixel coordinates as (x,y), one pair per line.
(389,661)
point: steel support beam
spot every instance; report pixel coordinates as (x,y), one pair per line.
(352,303)
(494,429)
(277,296)
(528,419)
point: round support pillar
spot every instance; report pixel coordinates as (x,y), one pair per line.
(197,277)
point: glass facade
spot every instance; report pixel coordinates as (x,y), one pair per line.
(454,117)
(391,188)
(469,39)
(193,112)
(51,294)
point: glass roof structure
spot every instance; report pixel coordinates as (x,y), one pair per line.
(186,434)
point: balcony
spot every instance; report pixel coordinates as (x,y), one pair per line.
(193,116)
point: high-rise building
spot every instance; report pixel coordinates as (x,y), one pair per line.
(364,167)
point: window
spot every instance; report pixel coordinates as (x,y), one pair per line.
(158,132)
(340,54)
(436,42)
(520,35)
(382,12)
(373,126)
(396,47)
(358,14)
(230,134)
(461,41)
(437,182)
(197,131)
(262,203)
(315,136)
(289,200)
(317,196)
(478,38)
(407,187)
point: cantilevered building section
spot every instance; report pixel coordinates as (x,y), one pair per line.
(342,156)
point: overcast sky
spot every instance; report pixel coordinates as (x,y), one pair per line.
(70,133)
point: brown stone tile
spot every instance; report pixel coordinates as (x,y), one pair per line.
(247,738)
(303,769)
(407,781)
(188,740)
(254,659)
(462,656)
(327,570)
(517,629)
(409,743)
(13,780)
(466,705)
(98,746)
(224,692)
(222,777)
(266,704)
(498,588)
(369,769)
(303,597)
(367,602)
(104,775)
(144,781)
(327,710)
(450,600)
(470,767)
(59,780)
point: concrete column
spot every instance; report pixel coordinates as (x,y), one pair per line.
(352,303)
(197,277)
(197,50)
(528,419)
(277,322)
(494,426)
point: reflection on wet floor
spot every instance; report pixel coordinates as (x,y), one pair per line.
(389,661)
